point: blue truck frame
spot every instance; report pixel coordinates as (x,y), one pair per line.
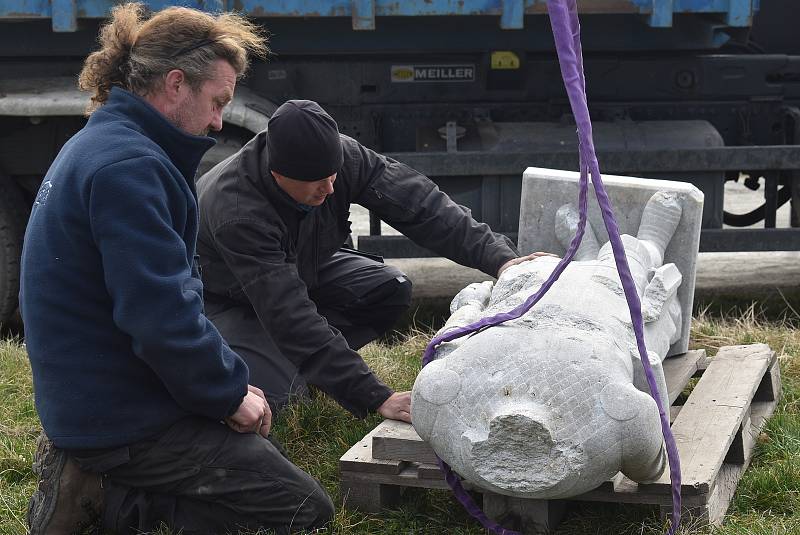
(660,13)
(468,92)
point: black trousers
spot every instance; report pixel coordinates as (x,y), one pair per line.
(359,296)
(201,477)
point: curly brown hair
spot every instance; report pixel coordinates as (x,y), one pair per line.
(137,52)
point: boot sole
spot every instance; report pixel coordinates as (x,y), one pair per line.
(48,466)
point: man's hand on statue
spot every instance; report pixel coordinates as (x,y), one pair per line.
(521,259)
(397,407)
(253,414)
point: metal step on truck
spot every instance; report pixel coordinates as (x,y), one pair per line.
(467,92)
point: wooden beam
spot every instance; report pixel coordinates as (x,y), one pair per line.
(394,440)
(679,369)
(712,417)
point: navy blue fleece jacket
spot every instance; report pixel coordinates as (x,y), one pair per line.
(111,298)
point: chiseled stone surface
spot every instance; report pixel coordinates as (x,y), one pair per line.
(554,403)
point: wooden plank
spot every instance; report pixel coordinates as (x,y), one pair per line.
(729,475)
(429,471)
(770,387)
(408,477)
(620,489)
(713,509)
(398,441)
(359,459)
(760,412)
(679,369)
(631,492)
(702,365)
(706,426)
(369,497)
(529,517)
(742,446)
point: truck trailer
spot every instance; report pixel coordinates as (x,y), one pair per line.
(467,92)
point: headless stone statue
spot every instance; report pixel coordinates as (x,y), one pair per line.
(554,403)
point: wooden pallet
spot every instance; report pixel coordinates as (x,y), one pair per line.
(715,431)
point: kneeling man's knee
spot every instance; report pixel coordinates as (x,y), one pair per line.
(404,291)
(316,511)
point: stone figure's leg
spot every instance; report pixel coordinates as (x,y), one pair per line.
(646,251)
(640,380)
(360,297)
(566,226)
(660,291)
(638,262)
(659,220)
(643,455)
(661,309)
(475,295)
(675,318)
(270,370)
(467,307)
(200,476)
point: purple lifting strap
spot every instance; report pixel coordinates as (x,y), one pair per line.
(566,30)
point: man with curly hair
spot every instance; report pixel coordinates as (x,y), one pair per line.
(148,415)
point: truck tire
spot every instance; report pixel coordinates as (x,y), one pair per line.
(13,217)
(227,145)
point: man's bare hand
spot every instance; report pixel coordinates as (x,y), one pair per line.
(253,414)
(397,407)
(521,259)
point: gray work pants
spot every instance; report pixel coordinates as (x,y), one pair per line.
(201,477)
(360,297)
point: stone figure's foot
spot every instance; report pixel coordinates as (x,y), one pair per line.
(648,470)
(520,455)
(566,226)
(67,499)
(476,294)
(659,220)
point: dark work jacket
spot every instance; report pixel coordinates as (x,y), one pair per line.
(111,297)
(258,249)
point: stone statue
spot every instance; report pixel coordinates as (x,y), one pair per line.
(554,403)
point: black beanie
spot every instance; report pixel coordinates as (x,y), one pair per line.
(303,142)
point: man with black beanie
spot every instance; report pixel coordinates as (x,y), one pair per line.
(279,285)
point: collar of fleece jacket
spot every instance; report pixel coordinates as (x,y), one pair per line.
(184,150)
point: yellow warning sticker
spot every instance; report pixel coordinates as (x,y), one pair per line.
(504,59)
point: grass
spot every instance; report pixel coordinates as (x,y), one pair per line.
(19,427)
(317,433)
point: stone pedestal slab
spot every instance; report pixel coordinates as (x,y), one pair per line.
(545,190)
